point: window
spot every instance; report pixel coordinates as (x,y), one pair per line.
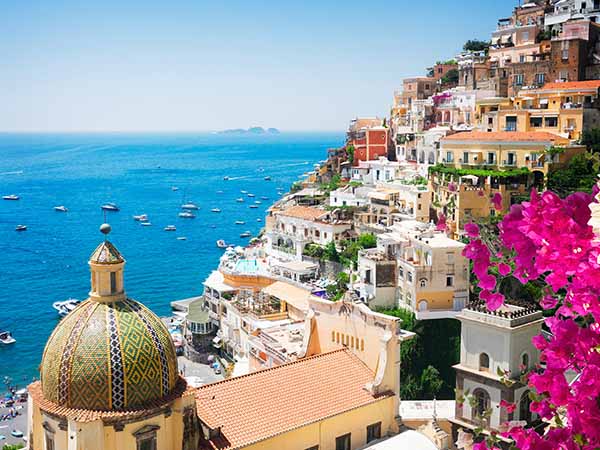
(525,360)
(49,441)
(491,158)
(400,273)
(450,258)
(449,281)
(342,442)
(423,282)
(551,122)
(522,57)
(482,403)
(524,407)
(540,78)
(373,432)
(148,443)
(409,277)
(113,282)
(518,79)
(564,75)
(368,276)
(535,122)
(510,159)
(449,157)
(484,362)
(511,123)
(466,157)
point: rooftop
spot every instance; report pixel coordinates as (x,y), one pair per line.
(512,314)
(293,295)
(589,84)
(503,136)
(260,405)
(197,312)
(303,212)
(106,253)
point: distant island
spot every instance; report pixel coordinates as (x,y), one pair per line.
(251,130)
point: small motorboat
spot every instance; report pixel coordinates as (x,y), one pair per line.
(21,228)
(245,234)
(240,200)
(259,220)
(226,178)
(110,207)
(146,224)
(264,198)
(253,206)
(170,228)
(174,188)
(16,433)
(220,192)
(257,202)
(244,192)
(10,197)
(181,238)
(141,218)
(267,178)
(239,222)
(60,208)
(190,206)
(66,306)
(6,338)
(221,243)
(215,210)
(213,226)
(251,195)
(187,215)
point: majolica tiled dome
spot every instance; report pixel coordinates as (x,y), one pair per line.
(109,356)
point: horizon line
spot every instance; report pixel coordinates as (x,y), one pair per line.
(164,131)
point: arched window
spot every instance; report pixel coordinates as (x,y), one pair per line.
(484,362)
(423,282)
(482,403)
(524,407)
(525,361)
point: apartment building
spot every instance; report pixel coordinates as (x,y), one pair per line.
(369,138)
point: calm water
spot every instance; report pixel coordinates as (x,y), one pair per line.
(48,262)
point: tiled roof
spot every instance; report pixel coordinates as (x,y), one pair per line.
(303,212)
(106,253)
(589,84)
(263,404)
(88,415)
(504,136)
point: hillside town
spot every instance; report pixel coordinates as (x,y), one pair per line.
(307,322)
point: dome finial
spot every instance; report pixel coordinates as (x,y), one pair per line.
(105,229)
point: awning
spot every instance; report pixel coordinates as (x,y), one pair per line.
(543,101)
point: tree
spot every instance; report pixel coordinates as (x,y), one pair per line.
(431,383)
(330,252)
(475,45)
(451,77)
(350,153)
(548,240)
(367,240)
(580,174)
(12,447)
(591,139)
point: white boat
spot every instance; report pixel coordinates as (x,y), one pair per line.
(170,228)
(240,200)
(215,210)
(251,195)
(245,234)
(187,215)
(190,206)
(239,222)
(225,178)
(141,218)
(253,206)
(110,207)
(60,208)
(259,220)
(181,238)
(174,188)
(258,202)
(66,306)
(267,178)
(146,224)
(6,338)
(244,192)
(21,228)
(264,198)
(11,197)
(220,192)
(221,243)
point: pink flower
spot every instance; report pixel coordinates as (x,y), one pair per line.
(452,187)
(510,407)
(504,269)
(497,201)
(472,230)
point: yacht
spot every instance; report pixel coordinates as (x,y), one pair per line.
(60,208)
(244,192)
(174,188)
(190,206)
(267,178)
(240,200)
(66,306)
(253,206)
(146,224)
(141,218)
(6,338)
(170,228)
(21,228)
(215,210)
(226,178)
(11,197)
(181,238)
(251,195)
(110,207)
(258,202)
(187,215)
(259,220)
(239,222)
(221,243)
(245,234)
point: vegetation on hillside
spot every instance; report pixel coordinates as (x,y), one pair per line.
(579,175)
(508,173)
(476,45)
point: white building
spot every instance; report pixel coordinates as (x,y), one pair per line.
(349,195)
(565,10)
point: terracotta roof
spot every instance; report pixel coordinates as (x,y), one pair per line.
(589,84)
(504,136)
(303,212)
(263,404)
(88,415)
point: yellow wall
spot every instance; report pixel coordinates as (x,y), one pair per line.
(247,281)
(436,300)
(324,433)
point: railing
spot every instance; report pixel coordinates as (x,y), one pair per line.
(289,250)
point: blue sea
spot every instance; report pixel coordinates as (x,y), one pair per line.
(48,262)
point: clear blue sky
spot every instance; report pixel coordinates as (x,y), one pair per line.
(204,65)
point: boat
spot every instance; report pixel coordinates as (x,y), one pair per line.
(11,197)
(174,188)
(66,306)
(110,207)
(170,228)
(264,198)
(60,208)
(146,224)
(240,200)
(181,238)
(253,206)
(239,222)
(259,220)
(267,178)
(244,192)
(187,215)
(16,433)
(215,210)
(141,218)
(220,192)
(6,338)
(251,195)
(190,206)
(221,243)
(21,228)
(257,202)
(245,234)
(226,178)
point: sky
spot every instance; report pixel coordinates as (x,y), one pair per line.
(195,65)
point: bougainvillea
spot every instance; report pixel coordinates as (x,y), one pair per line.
(549,239)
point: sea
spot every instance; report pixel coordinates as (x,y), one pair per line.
(48,261)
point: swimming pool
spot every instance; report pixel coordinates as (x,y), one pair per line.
(247,266)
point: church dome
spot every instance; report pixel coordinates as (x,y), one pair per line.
(111,353)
